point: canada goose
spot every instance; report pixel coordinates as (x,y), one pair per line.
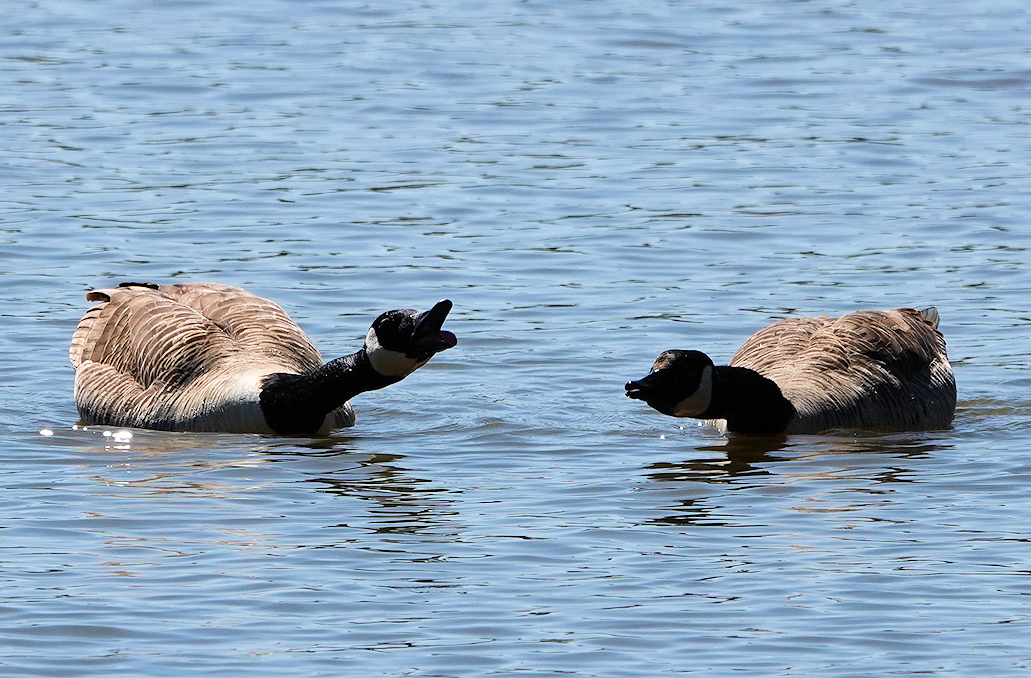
(869,369)
(209,357)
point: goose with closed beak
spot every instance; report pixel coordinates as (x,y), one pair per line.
(883,370)
(210,357)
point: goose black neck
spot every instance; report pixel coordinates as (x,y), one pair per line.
(749,402)
(299,403)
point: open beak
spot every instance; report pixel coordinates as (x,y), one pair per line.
(650,390)
(428,337)
(640,389)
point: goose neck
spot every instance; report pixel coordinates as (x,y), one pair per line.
(299,403)
(749,402)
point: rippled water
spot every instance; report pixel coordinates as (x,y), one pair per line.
(591,183)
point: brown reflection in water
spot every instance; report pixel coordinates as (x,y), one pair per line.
(192,464)
(176,462)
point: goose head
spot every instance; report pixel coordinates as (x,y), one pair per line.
(401,341)
(679,384)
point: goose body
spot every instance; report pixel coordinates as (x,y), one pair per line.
(210,357)
(869,369)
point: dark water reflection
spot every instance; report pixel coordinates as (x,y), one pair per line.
(402,503)
(867,461)
(742,456)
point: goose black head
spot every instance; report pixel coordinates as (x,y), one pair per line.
(679,384)
(401,341)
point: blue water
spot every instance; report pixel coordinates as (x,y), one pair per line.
(590,183)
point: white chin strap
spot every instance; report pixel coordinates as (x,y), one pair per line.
(696,403)
(386,362)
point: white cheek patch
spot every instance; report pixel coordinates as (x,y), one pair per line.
(389,363)
(699,401)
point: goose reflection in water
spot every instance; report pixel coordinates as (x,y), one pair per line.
(747,462)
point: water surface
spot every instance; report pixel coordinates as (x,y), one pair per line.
(590,183)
